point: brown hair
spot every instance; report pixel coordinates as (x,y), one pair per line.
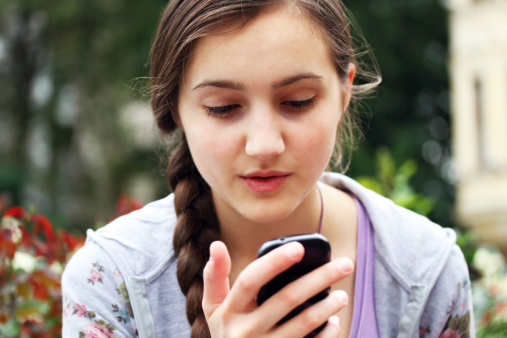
(182,23)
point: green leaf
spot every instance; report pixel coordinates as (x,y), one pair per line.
(424,206)
(370,183)
(31,308)
(408,168)
(493,330)
(464,323)
(10,329)
(453,324)
(105,324)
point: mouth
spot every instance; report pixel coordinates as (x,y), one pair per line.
(265,181)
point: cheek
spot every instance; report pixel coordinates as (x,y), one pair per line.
(320,144)
(211,150)
(317,141)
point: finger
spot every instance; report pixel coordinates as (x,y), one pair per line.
(332,329)
(216,278)
(261,271)
(306,287)
(314,316)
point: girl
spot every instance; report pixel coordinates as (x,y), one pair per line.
(259,92)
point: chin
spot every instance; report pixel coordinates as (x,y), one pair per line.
(265,216)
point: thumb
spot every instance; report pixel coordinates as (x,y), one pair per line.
(216,278)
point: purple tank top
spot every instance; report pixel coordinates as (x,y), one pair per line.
(364,322)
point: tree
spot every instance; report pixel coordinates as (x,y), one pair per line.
(410,113)
(69,65)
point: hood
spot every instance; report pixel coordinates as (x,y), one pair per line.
(411,247)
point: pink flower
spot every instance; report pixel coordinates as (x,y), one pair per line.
(450,333)
(96,276)
(95,330)
(80,310)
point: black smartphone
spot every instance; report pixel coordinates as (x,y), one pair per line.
(317,253)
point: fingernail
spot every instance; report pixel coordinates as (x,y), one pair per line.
(334,320)
(342,296)
(293,250)
(345,265)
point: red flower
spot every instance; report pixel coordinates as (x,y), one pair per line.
(42,223)
(16,212)
(72,241)
(8,244)
(126,204)
(501,307)
(450,333)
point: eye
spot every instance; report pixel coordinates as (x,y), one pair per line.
(300,105)
(222,111)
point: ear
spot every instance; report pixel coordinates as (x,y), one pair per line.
(178,123)
(347,91)
(176,118)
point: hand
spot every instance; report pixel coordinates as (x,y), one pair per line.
(233,312)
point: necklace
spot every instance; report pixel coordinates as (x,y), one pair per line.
(321,209)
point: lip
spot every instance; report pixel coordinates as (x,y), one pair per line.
(265,181)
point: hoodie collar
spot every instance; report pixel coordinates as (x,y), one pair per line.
(411,247)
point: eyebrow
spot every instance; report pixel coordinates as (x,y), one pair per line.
(295,78)
(227,84)
(221,84)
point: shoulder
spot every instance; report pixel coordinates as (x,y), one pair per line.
(92,298)
(413,248)
(140,243)
(388,217)
(449,310)
(138,248)
(417,265)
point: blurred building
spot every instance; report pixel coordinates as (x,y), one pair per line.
(478,32)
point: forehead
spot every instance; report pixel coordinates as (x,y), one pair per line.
(279,39)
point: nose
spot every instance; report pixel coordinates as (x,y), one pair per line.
(264,136)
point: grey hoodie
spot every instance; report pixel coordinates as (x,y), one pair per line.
(123,281)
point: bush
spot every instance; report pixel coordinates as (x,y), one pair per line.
(490,293)
(32,257)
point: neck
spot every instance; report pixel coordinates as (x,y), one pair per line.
(244,237)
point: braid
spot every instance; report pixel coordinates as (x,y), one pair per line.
(196,228)
(182,24)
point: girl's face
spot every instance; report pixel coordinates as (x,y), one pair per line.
(260,108)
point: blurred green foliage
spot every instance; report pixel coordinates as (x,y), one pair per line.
(69,66)
(394,183)
(410,113)
(490,292)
